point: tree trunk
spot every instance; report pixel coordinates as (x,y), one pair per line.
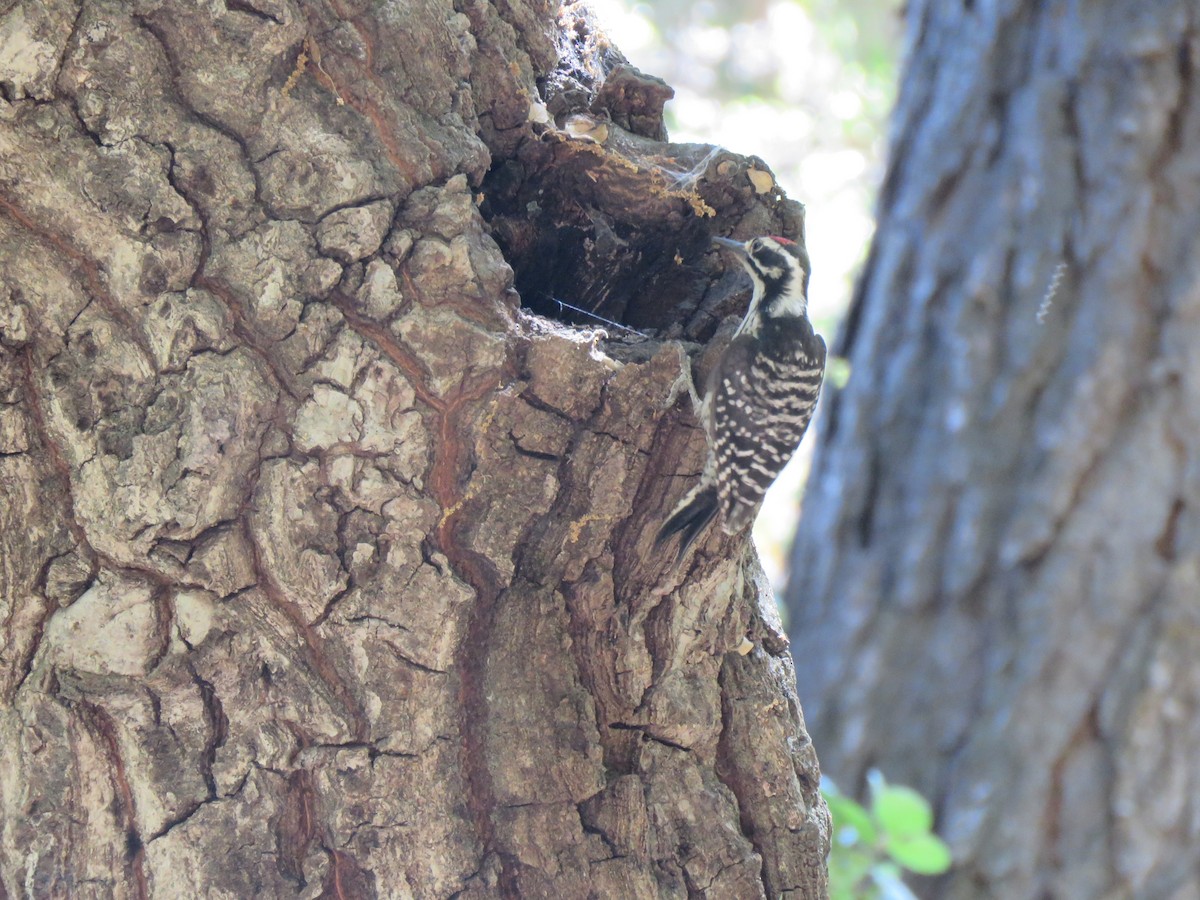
(995,583)
(326,569)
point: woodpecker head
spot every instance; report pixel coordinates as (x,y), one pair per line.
(779,269)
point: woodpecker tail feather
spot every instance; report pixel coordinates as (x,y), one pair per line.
(690,518)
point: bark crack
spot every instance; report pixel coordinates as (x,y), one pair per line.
(725,770)
(385,131)
(243,6)
(101,724)
(311,644)
(90,272)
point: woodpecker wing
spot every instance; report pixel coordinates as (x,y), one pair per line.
(763,396)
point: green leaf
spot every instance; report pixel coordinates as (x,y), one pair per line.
(925,854)
(848,868)
(844,892)
(848,814)
(900,811)
(837,371)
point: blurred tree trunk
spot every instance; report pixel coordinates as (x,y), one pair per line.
(324,569)
(995,588)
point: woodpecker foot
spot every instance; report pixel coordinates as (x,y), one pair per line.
(683,381)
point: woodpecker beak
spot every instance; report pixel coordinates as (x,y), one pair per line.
(736,246)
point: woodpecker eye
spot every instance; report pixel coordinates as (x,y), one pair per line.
(756,245)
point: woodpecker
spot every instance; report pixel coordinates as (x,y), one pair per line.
(760,395)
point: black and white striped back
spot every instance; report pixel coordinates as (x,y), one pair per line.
(763,397)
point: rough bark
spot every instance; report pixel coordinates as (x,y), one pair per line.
(326,569)
(994,589)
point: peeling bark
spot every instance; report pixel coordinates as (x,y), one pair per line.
(326,568)
(995,582)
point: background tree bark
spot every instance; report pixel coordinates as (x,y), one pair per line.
(326,570)
(994,592)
